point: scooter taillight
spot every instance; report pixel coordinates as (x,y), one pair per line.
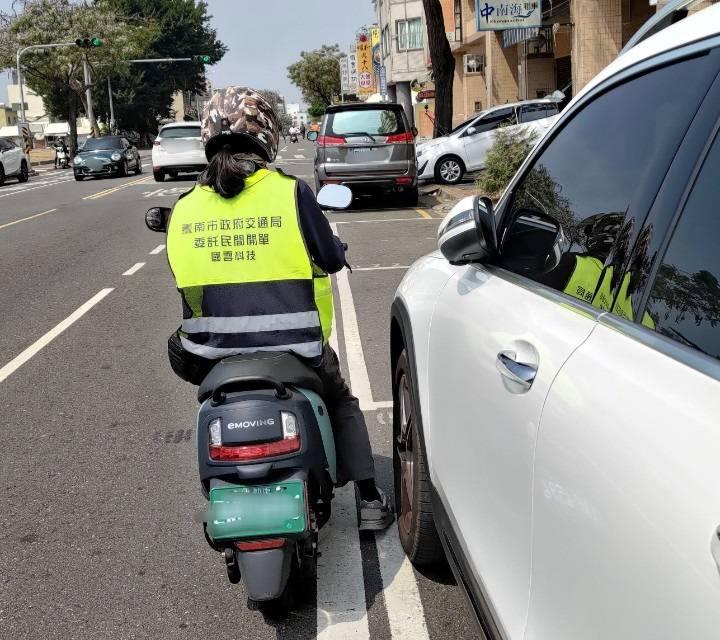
(259,545)
(243,453)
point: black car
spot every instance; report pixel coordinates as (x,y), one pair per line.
(107,156)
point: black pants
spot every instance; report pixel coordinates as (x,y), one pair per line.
(352,443)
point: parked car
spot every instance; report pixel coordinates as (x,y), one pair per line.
(447,159)
(177,149)
(106,156)
(370,147)
(556,367)
(13,162)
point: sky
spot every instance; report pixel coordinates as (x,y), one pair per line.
(265,36)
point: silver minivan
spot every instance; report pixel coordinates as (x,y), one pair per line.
(368,147)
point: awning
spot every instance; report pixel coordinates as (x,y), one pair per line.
(57,129)
(514,36)
(9,132)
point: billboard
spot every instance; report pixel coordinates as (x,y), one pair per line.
(345,74)
(352,73)
(498,15)
(376,53)
(363,50)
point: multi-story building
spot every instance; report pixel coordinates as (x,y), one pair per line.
(404,48)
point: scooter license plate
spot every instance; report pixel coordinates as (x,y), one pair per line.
(251,511)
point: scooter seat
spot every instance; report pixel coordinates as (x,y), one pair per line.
(283,367)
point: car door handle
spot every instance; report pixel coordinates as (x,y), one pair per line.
(520,373)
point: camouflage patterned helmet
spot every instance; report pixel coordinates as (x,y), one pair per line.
(245,117)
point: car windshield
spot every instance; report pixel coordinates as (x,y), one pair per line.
(100,144)
(467,122)
(179,132)
(369,122)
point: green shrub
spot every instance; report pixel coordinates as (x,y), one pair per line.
(504,158)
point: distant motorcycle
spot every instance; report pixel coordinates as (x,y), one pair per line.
(63,160)
(293,138)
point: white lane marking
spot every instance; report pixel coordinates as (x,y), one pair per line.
(341,608)
(300,149)
(134,269)
(34,348)
(386,220)
(299,157)
(159,249)
(377,268)
(359,378)
(23,188)
(37,215)
(278,158)
(283,149)
(400,590)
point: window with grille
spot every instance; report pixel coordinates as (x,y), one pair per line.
(474,63)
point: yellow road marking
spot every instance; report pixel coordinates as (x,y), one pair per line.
(107,192)
(423,213)
(37,215)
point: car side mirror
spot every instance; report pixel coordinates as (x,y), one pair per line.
(156,218)
(471,131)
(469,233)
(334,196)
(414,131)
(312,136)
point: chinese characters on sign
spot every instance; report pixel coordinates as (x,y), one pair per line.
(232,246)
(365,63)
(353,73)
(498,15)
(345,74)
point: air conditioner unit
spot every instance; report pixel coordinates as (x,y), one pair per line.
(450,36)
(474,63)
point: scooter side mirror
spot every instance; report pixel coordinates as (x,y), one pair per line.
(156,218)
(312,136)
(334,196)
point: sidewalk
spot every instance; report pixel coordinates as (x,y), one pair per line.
(443,197)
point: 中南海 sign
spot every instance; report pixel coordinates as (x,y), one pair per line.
(498,15)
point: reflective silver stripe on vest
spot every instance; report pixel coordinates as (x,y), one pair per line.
(304,349)
(253,324)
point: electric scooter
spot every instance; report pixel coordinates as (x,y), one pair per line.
(266,457)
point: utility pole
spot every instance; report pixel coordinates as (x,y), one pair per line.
(112,107)
(88,92)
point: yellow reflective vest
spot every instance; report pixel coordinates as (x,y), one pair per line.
(244,273)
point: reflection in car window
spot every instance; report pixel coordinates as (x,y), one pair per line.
(585,182)
(179,132)
(97,144)
(684,303)
(530,112)
(493,120)
(365,121)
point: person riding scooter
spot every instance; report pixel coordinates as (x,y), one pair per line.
(251,251)
(61,154)
(294,131)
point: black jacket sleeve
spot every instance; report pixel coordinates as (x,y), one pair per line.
(325,249)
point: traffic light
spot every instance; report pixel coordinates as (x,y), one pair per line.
(87,43)
(203,59)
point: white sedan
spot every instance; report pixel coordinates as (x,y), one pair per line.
(178,148)
(13,161)
(556,367)
(448,158)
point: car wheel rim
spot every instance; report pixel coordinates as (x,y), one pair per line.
(450,171)
(406,457)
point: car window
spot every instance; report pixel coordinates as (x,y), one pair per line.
(572,215)
(530,112)
(179,132)
(684,302)
(494,119)
(365,121)
(97,144)
(4,146)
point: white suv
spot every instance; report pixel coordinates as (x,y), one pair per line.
(557,367)
(178,148)
(465,148)
(13,161)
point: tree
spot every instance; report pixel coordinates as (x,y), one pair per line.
(317,74)
(443,65)
(183,30)
(56,74)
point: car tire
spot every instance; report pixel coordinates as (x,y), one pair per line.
(415,520)
(138,169)
(159,175)
(449,170)
(24,174)
(79,178)
(124,170)
(410,198)
(2,175)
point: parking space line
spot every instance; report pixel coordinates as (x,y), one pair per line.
(159,249)
(38,345)
(400,590)
(423,213)
(37,215)
(134,269)
(341,607)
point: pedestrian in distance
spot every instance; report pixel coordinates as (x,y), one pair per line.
(250,278)
(303,130)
